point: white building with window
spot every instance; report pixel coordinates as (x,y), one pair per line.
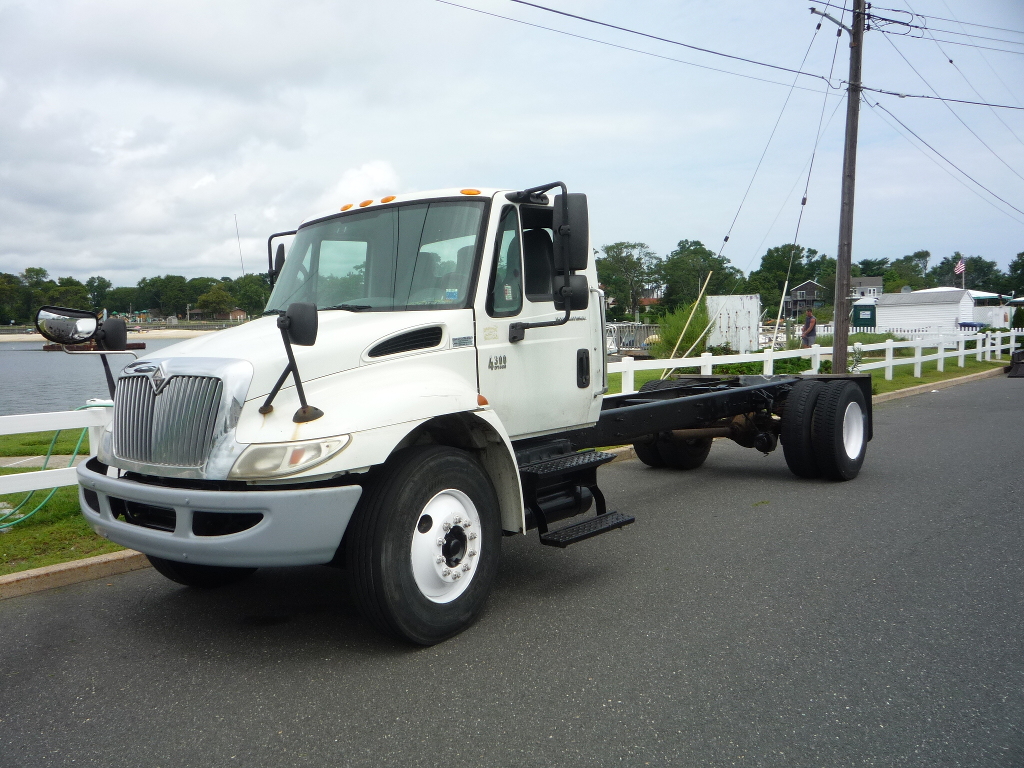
(941,309)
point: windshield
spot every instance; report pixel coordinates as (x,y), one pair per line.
(417,256)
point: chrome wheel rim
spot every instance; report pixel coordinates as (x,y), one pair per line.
(446,546)
(853,430)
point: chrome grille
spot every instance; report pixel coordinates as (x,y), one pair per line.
(174,427)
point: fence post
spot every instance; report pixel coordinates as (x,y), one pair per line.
(999,345)
(627,376)
(96,433)
(769,366)
(917,358)
(979,346)
(815,357)
(940,363)
(1013,339)
(961,347)
(888,359)
(705,364)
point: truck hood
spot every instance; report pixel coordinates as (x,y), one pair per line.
(343,342)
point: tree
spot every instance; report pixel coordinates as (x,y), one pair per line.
(626,270)
(123,300)
(36,287)
(10,298)
(69,292)
(872,267)
(908,270)
(769,278)
(97,287)
(980,274)
(1015,276)
(169,294)
(216,301)
(251,292)
(197,286)
(685,269)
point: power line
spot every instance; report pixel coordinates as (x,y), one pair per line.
(937,98)
(951,42)
(666,40)
(957,21)
(954,165)
(627,48)
(945,170)
(953,112)
(925,28)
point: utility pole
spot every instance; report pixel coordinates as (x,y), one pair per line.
(844,253)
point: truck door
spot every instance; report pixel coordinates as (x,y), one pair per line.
(546,382)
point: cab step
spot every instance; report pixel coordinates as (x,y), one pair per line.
(592,526)
(561,466)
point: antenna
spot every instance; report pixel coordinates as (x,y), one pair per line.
(239,238)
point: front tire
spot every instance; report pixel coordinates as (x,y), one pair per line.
(424,543)
(199,576)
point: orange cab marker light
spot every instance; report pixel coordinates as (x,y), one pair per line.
(481,400)
(387,199)
(471,191)
(365,203)
(346,206)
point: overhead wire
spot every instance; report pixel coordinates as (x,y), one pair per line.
(953,112)
(624,47)
(939,165)
(951,42)
(987,62)
(940,18)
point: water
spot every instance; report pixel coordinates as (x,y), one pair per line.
(38,382)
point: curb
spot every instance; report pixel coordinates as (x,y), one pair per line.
(924,388)
(63,574)
(73,572)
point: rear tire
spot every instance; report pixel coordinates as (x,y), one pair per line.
(420,572)
(797,417)
(684,454)
(199,576)
(649,454)
(839,430)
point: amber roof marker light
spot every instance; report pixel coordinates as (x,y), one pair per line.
(346,206)
(365,203)
(387,199)
(470,191)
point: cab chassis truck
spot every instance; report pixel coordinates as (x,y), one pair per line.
(429,376)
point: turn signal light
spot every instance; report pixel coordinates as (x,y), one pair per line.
(481,400)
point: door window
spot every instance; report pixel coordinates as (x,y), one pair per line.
(505,295)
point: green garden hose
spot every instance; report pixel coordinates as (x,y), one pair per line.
(49,452)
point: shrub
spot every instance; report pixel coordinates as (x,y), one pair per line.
(672,325)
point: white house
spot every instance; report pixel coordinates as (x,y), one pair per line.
(939,309)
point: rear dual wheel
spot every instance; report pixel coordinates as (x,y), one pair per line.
(824,429)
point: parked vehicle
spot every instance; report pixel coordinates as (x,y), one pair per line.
(429,376)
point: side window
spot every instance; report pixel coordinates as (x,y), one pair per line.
(505,292)
(539,263)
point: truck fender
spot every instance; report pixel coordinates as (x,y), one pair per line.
(482,434)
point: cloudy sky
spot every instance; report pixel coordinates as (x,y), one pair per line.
(132,134)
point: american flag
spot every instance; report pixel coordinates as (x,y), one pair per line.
(960,267)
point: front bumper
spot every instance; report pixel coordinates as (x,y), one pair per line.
(298,527)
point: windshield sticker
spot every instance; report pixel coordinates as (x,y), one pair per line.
(451,294)
(508,292)
(462,341)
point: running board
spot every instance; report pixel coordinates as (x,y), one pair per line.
(592,526)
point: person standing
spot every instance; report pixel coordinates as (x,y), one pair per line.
(809,335)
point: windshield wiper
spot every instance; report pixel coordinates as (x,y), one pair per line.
(350,307)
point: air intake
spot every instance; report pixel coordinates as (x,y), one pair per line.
(421,338)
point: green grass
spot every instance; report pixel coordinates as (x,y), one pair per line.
(55,534)
(36,443)
(903,376)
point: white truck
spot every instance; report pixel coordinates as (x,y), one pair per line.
(429,376)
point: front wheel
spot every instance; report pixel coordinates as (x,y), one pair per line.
(423,545)
(199,576)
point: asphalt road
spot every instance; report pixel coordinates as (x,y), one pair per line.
(747,618)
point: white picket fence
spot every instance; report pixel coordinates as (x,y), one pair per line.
(947,345)
(95,416)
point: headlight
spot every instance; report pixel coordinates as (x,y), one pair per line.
(262,460)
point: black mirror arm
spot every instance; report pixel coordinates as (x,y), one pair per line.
(305,412)
(270,254)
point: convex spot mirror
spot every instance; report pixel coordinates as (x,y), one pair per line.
(66,326)
(575,253)
(580,293)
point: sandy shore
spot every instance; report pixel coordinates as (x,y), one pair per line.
(156,334)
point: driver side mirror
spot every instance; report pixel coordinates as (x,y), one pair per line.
(574,254)
(278,264)
(66,326)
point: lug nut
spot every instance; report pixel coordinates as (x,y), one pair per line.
(465,567)
(466,524)
(456,576)
(446,572)
(447,526)
(440,559)
(440,542)
(472,553)
(472,536)
(458,519)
